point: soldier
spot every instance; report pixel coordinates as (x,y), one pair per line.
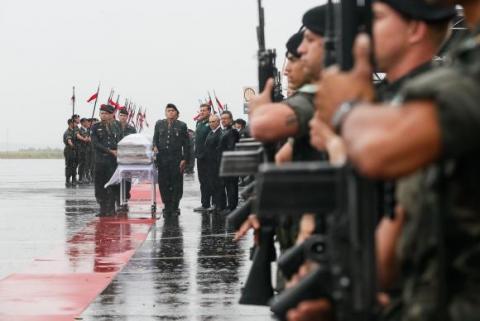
(431,141)
(275,121)
(213,157)
(105,137)
(126,130)
(190,169)
(69,153)
(89,154)
(228,139)
(201,132)
(171,145)
(83,138)
(123,118)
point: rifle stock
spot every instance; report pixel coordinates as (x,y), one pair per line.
(258,288)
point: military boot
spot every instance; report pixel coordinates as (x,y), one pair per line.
(67,178)
(74,180)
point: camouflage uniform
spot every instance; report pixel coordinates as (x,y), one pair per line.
(70,155)
(105,137)
(82,155)
(444,198)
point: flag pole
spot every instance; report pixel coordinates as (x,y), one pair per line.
(73,102)
(96,99)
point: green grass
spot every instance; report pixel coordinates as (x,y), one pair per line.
(32,153)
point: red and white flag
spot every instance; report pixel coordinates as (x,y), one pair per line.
(93,97)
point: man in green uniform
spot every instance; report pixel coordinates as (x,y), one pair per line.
(433,138)
(126,130)
(105,136)
(171,146)
(201,133)
(271,122)
(69,152)
(83,137)
(123,118)
(190,168)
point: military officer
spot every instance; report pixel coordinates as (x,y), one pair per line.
(123,118)
(69,152)
(171,145)
(105,136)
(83,137)
(126,130)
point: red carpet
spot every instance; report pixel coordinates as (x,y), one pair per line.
(143,192)
(60,286)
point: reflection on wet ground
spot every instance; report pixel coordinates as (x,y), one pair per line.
(187,269)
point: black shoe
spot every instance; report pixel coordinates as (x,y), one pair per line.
(201,209)
(225,211)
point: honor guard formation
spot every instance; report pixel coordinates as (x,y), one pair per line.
(360,182)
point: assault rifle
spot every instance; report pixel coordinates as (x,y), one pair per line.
(258,289)
(267,60)
(345,253)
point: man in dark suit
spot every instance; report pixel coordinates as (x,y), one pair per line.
(228,139)
(213,157)
(171,145)
(201,132)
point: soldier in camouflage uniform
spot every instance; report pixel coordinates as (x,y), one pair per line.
(69,153)
(126,130)
(91,152)
(83,137)
(432,143)
(190,169)
(105,137)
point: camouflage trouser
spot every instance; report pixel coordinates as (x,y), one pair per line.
(106,197)
(82,163)
(70,162)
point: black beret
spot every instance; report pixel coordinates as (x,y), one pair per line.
(315,19)
(123,111)
(421,10)
(108,108)
(83,120)
(172,106)
(293,43)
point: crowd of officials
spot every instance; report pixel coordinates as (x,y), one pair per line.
(417,131)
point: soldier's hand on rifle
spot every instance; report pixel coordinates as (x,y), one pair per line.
(336,87)
(315,310)
(263,98)
(155,149)
(251,223)
(322,137)
(113,152)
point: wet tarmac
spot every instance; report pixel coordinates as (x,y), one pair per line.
(188,268)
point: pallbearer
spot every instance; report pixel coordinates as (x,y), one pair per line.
(126,130)
(105,136)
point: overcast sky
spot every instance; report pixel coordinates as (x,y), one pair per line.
(151,51)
